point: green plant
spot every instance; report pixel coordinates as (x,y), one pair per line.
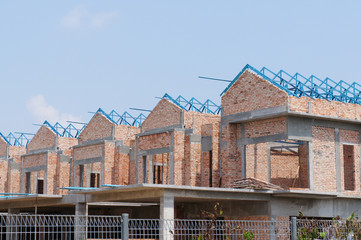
(248,235)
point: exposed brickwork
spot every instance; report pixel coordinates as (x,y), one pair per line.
(13,177)
(257,161)
(285,168)
(324,166)
(91,151)
(350,164)
(163,115)
(66,144)
(98,127)
(179,157)
(34,160)
(303,173)
(230,154)
(44,138)
(325,107)
(159,140)
(3,147)
(250,92)
(3,175)
(195,120)
(265,127)
(125,133)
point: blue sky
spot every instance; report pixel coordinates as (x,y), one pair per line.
(61,59)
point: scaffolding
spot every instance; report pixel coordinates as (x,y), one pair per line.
(194,105)
(298,85)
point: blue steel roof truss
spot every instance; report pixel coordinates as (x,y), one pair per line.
(123,119)
(21,139)
(298,85)
(70,131)
(194,105)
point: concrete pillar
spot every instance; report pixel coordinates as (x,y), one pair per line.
(338,159)
(310,166)
(166,217)
(80,221)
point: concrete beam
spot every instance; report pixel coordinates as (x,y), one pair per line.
(171,168)
(87,161)
(337,159)
(310,165)
(154,151)
(176,127)
(269,138)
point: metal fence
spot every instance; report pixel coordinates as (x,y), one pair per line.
(49,227)
(329,229)
(53,227)
(183,229)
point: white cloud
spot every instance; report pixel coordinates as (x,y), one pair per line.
(100,19)
(74,18)
(79,17)
(40,109)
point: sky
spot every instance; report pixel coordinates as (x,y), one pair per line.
(60,60)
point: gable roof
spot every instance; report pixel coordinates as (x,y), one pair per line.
(297,85)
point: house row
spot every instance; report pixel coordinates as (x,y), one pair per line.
(278,144)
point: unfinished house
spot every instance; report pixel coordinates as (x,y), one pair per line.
(11,148)
(102,155)
(281,144)
(178,144)
(292,131)
(45,167)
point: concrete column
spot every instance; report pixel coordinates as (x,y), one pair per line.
(310,166)
(150,169)
(166,217)
(243,161)
(171,167)
(80,220)
(269,163)
(136,160)
(338,159)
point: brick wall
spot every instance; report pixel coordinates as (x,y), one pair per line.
(284,168)
(125,133)
(230,154)
(179,157)
(265,127)
(350,164)
(91,151)
(250,92)
(160,140)
(3,147)
(44,138)
(66,144)
(195,120)
(13,177)
(163,115)
(324,166)
(325,107)
(109,163)
(257,161)
(98,127)
(3,175)
(303,155)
